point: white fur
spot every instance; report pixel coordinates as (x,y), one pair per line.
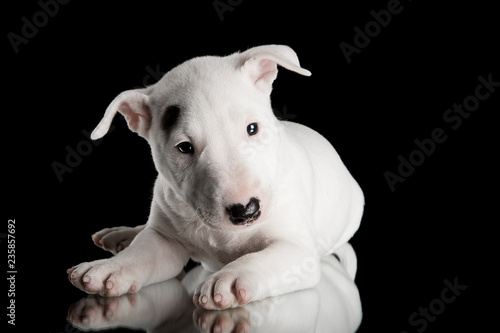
(310,204)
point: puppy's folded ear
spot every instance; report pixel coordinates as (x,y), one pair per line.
(261,64)
(133,104)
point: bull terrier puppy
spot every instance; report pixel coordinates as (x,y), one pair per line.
(256,200)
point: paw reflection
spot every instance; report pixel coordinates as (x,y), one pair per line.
(230,320)
(332,306)
(164,305)
(96,312)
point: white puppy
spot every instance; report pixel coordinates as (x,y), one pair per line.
(256,200)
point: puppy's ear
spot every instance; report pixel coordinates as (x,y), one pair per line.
(133,104)
(261,64)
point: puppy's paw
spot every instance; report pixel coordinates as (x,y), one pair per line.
(115,239)
(222,290)
(105,277)
(98,313)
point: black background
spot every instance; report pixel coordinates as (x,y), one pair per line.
(439,224)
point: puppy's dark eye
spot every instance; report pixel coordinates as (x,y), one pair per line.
(185,147)
(252,129)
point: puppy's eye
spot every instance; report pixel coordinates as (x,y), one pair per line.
(185,147)
(252,129)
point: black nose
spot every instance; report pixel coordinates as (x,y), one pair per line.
(239,214)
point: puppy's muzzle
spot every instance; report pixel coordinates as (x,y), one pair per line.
(240,215)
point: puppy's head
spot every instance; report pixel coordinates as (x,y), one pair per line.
(212,132)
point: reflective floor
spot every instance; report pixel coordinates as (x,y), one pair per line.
(332,306)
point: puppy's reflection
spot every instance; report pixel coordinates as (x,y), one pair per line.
(332,306)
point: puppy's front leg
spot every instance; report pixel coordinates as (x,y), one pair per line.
(150,258)
(280,268)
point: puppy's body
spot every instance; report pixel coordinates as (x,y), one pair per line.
(321,212)
(256,200)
